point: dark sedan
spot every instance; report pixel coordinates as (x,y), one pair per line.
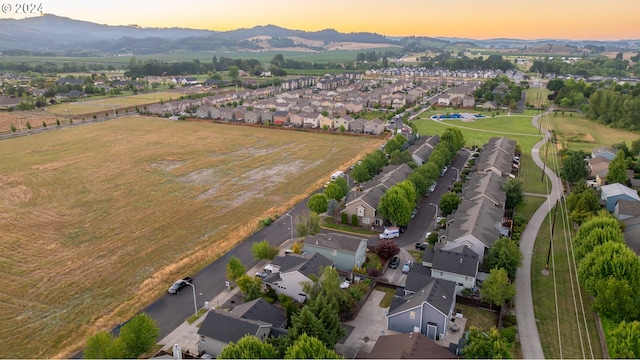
(175,288)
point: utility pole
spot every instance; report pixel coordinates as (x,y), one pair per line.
(553,225)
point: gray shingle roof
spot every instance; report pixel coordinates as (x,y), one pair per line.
(437,292)
(488,185)
(480,218)
(498,152)
(335,241)
(227,327)
(461,261)
(260,309)
(306,267)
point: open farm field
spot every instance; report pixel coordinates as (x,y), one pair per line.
(19,119)
(578,133)
(98,220)
(108,104)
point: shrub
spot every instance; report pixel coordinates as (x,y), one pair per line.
(44,124)
(373,272)
(13,128)
(354,220)
(28,125)
(344,218)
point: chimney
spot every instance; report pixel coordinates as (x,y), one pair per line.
(460,260)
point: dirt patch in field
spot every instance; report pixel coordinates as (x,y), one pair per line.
(13,192)
(167,165)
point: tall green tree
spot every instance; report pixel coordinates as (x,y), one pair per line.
(610,259)
(583,203)
(449,202)
(333,191)
(574,168)
(419,181)
(515,192)
(359,173)
(262,250)
(308,224)
(235,269)
(309,347)
(618,169)
(103,346)
(624,341)
(585,243)
(486,345)
(343,184)
(326,310)
(395,207)
(138,336)
(617,300)
(248,347)
(318,202)
(251,287)
(409,191)
(505,253)
(497,288)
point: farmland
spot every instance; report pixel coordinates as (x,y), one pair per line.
(97,219)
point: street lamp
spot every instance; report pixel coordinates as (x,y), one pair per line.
(435,218)
(457,172)
(195,306)
(291,227)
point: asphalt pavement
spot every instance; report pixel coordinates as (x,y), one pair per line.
(527,327)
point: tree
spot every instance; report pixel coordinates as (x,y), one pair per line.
(235,269)
(395,207)
(138,336)
(359,173)
(618,169)
(584,244)
(248,347)
(610,259)
(386,249)
(574,168)
(325,308)
(449,202)
(497,288)
(635,148)
(514,191)
(318,203)
(342,183)
(262,250)
(624,341)
(305,322)
(234,72)
(332,206)
(582,203)
(505,253)
(333,191)
(486,345)
(250,286)
(617,300)
(102,346)
(309,347)
(409,191)
(308,225)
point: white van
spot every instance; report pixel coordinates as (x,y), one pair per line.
(390,233)
(337,174)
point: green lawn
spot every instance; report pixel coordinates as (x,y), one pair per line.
(481,318)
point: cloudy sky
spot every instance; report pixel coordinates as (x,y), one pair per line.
(480,19)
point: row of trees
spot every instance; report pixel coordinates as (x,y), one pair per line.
(137,337)
(609,271)
(328,201)
(446,60)
(586,67)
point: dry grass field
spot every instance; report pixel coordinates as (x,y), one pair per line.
(98,218)
(577,133)
(107,105)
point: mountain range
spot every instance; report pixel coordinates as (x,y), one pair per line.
(55,34)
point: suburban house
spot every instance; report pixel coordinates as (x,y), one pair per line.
(219,328)
(476,224)
(626,209)
(356,125)
(598,164)
(266,117)
(296,120)
(612,193)
(604,152)
(375,127)
(489,105)
(365,205)
(347,252)
(428,311)
(260,310)
(459,265)
(406,346)
(485,185)
(422,148)
(497,156)
(293,272)
(280,117)
(342,121)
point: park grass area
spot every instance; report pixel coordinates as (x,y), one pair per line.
(478,317)
(109,104)
(537,96)
(575,132)
(98,220)
(562,332)
(529,206)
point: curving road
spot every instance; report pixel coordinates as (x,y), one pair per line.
(527,328)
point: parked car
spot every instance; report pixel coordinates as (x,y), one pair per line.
(261,274)
(421,245)
(415,211)
(428,233)
(179,284)
(394,262)
(406,267)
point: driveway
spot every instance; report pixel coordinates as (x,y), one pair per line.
(370,323)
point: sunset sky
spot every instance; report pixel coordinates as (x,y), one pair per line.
(479,19)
